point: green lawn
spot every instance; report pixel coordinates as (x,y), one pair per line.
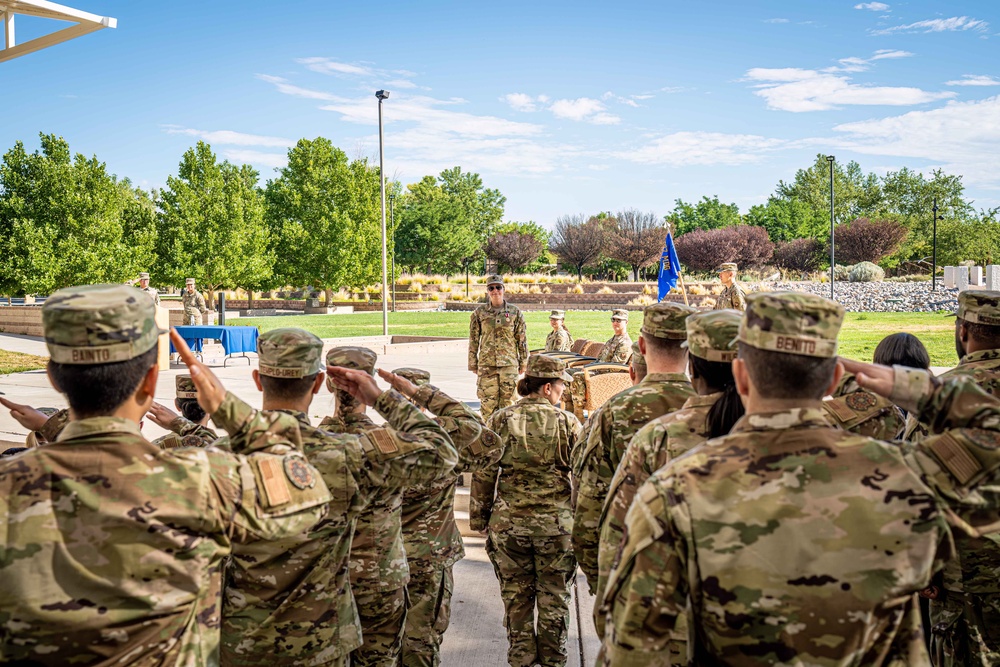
(861,332)
(17,362)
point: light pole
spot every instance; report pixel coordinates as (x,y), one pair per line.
(383,95)
(392,223)
(831,159)
(934,250)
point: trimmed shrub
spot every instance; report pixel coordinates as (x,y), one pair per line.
(866,272)
(841,272)
(798,255)
(864,240)
(705,250)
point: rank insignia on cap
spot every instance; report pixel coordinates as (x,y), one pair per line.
(299,473)
(860,401)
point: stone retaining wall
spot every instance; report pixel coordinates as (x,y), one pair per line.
(23,320)
(300,304)
(573,302)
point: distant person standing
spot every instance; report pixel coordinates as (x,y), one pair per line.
(144,287)
(734,296)
(194,303)
(560,339)
(498,348)
(618,349)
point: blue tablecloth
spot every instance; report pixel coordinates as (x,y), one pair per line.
(234,339)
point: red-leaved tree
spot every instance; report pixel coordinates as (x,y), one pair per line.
(705,250)
(864,240)
(798,255)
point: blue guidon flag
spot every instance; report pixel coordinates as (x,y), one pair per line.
(670,268)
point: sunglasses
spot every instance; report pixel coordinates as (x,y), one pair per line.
(495,288)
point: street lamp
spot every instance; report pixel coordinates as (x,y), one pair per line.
(392,223)
(934,250)
(383,95)
(831,159)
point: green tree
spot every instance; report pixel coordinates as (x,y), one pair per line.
(483,206)
(211,224)
(64,220)
(709,213)
(435,235)
(789,219)
(855,193)
(964,239)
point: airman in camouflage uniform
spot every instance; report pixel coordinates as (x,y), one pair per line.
(791,541)
(291,603)
(151,291)
(733,297)
(498,348)
(379,571)
(711,336)
(664,390)
(965,607)
(525,502)
(194,303)
(559,340)
(114,548)
(431,537)
(183,431)
(863,412)
(618,348)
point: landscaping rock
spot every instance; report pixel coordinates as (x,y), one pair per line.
(884,297)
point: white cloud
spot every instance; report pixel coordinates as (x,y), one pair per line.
(703,148)
(584,109)
(873,6)
(974,80)
(256,158)
(882,54)
(960,137)
(798,90)
(776,21)
(400,83)
(856,64)
(327,66)
(288,89)
(520,102)
(955,23)
(229,137)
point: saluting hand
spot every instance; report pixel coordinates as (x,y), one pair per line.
(211,393)
(25,415)
(399,383)
(358,384)
(161,415)
(874,377)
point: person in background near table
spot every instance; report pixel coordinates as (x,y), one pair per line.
(637,365)
(560,339)
(188,429)
(498,348)
(194,303)
(618,349)
(525,503)
(733,296)
(144,287)
(431,537)
(113,548)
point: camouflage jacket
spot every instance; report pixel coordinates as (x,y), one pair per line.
(618,349)
(734,297)
(378,558)
(194,304)
(610,429)
(558,341)
(153,294)
(527,492)
(430,535)
(497,337)
(114,548)
(859,411)
(290,602)
(661,440)
(186,433)
(775,538)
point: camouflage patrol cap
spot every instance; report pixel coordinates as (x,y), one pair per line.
(792,323)
(557,315)
(99,324)
(979,307)
(185,387)
(494,279)
(666,320)
(143,276)
(637,358)
(619,314)
(544,366)
(726,266)
(356,358)
(289,353)
(417,376)
(189,281)
(711,335)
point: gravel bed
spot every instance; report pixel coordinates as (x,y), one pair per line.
(883,297)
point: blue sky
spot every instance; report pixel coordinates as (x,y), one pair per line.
(566,107)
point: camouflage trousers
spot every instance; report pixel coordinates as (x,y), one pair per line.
(535,575)
(496,387)
(965,630)
(382,615)
(428,615)
(196,315)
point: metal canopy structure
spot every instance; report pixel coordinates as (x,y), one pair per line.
(83,23)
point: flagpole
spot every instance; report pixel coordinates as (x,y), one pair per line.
(684,289)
